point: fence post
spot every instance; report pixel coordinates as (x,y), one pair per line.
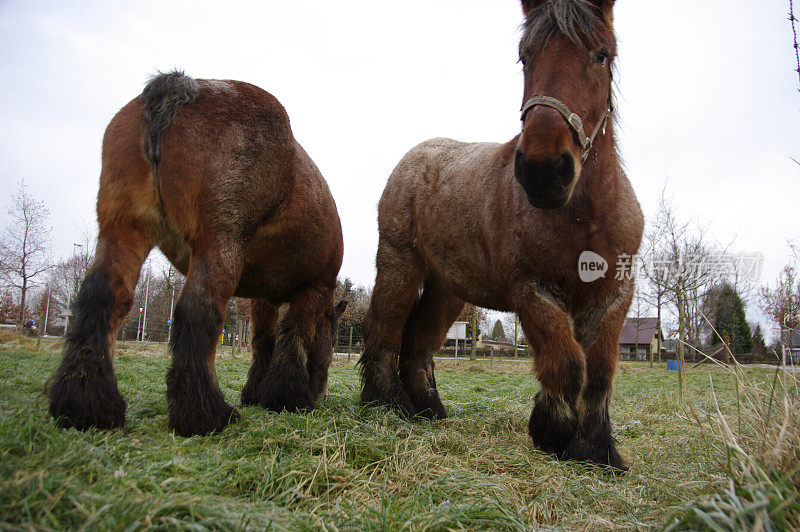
(233,341)
(240,330)
(350,345)
(472,353)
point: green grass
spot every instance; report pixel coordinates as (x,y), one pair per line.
(348,468)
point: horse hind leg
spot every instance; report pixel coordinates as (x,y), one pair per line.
(195,404)
(396,288)
(83,391)
(424,333)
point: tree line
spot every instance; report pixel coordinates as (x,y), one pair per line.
(699,289)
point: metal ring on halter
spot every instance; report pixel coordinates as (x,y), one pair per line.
(573,119)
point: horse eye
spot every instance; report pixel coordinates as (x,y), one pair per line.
(601,57)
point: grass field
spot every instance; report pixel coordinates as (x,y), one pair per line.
(348,468)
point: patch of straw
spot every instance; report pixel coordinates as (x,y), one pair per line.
(759,437)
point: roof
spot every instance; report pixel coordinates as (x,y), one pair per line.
(792,339)
(647,329)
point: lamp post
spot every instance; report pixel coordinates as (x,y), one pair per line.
(171,306)
(69,292)
(146,297)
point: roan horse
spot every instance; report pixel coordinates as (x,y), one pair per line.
(503,227)
(209,172)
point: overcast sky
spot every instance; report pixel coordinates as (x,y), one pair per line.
(707,97)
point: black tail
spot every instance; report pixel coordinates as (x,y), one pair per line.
(163,96)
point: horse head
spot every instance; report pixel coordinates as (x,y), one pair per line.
(567,51)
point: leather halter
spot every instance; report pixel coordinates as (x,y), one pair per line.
(573,119)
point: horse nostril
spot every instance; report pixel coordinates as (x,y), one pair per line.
(564,169)
(519,171)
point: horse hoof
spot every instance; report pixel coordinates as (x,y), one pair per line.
(604,456)
(552,425)
(250,397)
(203,423)
(430,407)
(399,401)
(291,402)
(82,404)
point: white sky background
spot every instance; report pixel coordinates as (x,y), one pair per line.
(707,97)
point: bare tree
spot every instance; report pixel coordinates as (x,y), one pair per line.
(677,267)
(793,20)
(25,246)
(653,247)
(782,303)
(637,307)
(66,276)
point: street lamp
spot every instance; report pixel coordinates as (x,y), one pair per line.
(69,291)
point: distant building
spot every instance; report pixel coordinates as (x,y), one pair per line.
(639,338)
(790,346)
(497,344)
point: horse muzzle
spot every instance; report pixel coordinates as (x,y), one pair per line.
(546,163)
(548,183)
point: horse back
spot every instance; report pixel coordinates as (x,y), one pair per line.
(443,199)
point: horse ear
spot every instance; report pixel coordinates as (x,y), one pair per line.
(605,6)
(528,5)
(340,307)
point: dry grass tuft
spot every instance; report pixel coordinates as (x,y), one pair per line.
(12,339)
(758,437)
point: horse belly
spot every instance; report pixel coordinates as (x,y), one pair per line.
(277,263)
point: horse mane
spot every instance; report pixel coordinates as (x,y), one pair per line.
(163,95)
(577,20)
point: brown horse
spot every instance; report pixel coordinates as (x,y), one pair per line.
(503,226)
(209,172)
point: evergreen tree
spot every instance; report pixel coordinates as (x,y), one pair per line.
(759,345)
(727,314)
(498,331)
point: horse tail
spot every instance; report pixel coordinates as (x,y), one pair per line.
(163,97)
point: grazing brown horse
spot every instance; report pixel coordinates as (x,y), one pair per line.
(503,226)
(209,172)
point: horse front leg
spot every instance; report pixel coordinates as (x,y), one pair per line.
(560,366)
(264,315)
(593,440)
(287,383)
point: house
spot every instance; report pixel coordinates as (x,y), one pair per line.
(497,344)
(639,338)
(790,346)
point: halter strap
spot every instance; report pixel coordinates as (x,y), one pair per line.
(573,119)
